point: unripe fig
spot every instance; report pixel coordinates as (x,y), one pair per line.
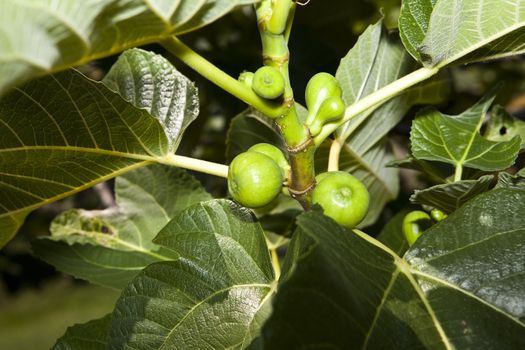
(246,78)
(268,82)
(414,224)
(275,153)
(438,215)
(319,88)
(343,197)
(254,179)
(331,110)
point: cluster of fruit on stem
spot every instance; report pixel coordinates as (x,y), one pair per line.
(256,177)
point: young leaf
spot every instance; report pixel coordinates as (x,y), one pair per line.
(40,37)
(159,88)
(503,127)
(87,336)
(450,196)
(465,31)
(91,134)
(109,247)
(223,279)
(456,139)
(461,287)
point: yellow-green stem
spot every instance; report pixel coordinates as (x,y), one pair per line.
(378,97)
(219,77)
(333,159)
(276,263)
(459,173)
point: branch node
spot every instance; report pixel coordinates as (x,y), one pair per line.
(300,193)
(301,147)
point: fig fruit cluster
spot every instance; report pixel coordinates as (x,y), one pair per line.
(255,177)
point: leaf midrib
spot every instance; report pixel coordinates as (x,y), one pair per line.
(77,189)
(209,297)
(467,293)
(405,268)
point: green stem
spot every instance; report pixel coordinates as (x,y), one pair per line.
(459,173)
(289,24)
(377,98)
(275,31)
(333,158)
(276,263)
(219,77)
(194,164)
(277,23)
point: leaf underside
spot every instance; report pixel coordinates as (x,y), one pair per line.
(39,37)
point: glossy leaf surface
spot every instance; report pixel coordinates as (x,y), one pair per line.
(461,285)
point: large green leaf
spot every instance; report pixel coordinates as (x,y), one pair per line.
(479,252)
(450,196)
(215,296)
(375,61)
(39,37)
(64,133)
(111,246)
(87,336)
(450,31)
(456,139)
(461,286)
